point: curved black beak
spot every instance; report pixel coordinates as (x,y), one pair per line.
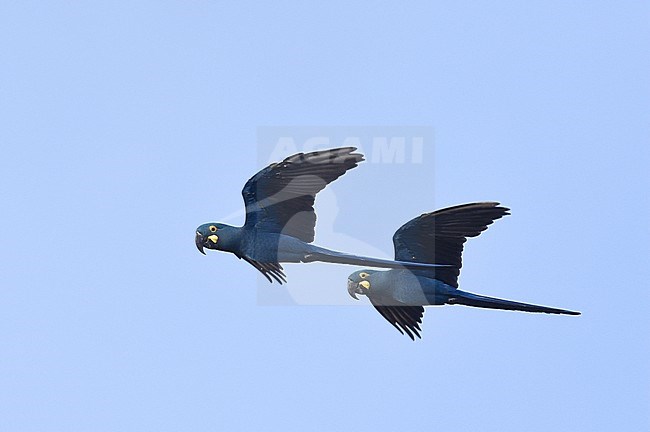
(199,240)
(352,289)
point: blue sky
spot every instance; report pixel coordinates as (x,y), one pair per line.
(125,125)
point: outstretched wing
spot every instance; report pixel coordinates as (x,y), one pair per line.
(406,319)
(438,237)
(280,198)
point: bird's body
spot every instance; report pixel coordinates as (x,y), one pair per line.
(400,295)
(406,288)
(280,218)
(403,287)
(266,250)
(261,246)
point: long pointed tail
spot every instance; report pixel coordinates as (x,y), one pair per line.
(469,299)
(325,255)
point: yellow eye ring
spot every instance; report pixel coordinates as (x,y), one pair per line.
(213,228)
(363,275)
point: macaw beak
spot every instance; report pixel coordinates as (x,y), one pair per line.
(352,289)
(199,240)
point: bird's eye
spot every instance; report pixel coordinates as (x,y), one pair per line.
(363,275)
(213,228)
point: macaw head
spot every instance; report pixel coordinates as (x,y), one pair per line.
(214,235)
(360,282)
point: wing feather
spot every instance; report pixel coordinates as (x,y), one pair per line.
(280,198)
(438,237)
(271,271)
(406,319)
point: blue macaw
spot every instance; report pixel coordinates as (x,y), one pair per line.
(400,295)
(280,217)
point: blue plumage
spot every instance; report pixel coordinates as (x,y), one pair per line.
(280,217)
(400,295)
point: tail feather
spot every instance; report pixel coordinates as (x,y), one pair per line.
(325,255)
(469,299)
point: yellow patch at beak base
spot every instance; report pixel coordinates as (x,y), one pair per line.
(365,284)
(213,238)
